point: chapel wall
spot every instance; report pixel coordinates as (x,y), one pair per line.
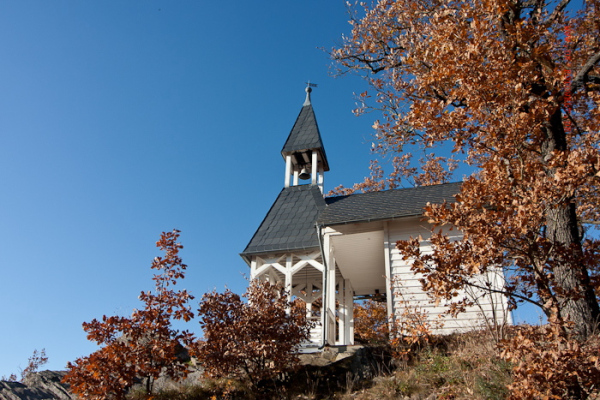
(408,291)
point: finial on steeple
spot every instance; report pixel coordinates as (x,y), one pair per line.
(308,89)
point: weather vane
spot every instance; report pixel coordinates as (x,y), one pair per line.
(310,85)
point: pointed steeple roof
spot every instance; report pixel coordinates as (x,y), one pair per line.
(305,135)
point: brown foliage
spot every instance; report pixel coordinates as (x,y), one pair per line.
(412,330)
(512,88)
(371,322)
(143,345)
(36,360)
(404,333)
(253,340)
(413,327)
(550,365)
(10,378)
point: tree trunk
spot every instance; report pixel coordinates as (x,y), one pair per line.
(578,303)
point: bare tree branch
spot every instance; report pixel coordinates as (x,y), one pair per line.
(590,222)
(505,293)
(581,76)
(560,7)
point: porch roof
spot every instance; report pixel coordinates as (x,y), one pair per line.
(387,204)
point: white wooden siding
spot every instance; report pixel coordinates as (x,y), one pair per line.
(409,292)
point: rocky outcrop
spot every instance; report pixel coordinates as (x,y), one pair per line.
(334,369)
(44,385)
(339,368)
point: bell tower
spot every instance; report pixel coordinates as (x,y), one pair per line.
(289,246)
(303,151)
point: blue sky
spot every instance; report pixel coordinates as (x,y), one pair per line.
(123,119)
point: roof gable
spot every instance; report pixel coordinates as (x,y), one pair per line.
(290,224)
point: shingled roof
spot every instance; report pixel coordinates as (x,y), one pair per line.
(388,204)
(305,135)
(290,223)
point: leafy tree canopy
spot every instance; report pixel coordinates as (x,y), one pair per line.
(514,87)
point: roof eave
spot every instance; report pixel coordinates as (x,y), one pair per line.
(321,150)
(247,254)
(365,220)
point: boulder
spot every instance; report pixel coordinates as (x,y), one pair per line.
(339,368)
(44,385)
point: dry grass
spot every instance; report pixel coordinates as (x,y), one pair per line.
(465,366)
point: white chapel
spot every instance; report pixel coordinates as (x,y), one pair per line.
(330,251)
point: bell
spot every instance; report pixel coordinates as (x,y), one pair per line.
(304,174)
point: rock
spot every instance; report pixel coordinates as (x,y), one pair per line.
(339,368)
(165,383)
(44,385)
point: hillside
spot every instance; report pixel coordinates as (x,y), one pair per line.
(453,367)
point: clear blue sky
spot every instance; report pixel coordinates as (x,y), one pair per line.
(123,119)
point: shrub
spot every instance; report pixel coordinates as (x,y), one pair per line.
(253,340)
(549,364)
(143,345)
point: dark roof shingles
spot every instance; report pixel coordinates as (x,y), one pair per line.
(290,223)
(305,133)
(386,204)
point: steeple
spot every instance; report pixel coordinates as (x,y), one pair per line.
(303,151)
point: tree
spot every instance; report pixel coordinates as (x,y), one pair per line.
(513,87)
(34,362)
(371,322)
(253,340)
(143,345)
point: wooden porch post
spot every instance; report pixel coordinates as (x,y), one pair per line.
(348,313)
(331,297)
(389,293)
(328,311)
(288,279)
(341,298)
